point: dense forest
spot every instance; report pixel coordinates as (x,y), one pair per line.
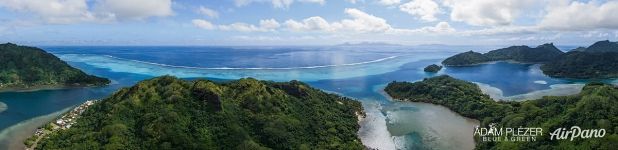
(541,53)
(24,67)
(169,113)
(432,68)
(584,65)
(595,107)
(466,59)
(600,60)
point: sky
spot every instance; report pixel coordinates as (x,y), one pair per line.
(307,22)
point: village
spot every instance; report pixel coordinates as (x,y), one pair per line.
(62,123)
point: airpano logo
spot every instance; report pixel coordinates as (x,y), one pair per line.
(576,132)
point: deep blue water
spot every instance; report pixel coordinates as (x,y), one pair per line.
(355,72)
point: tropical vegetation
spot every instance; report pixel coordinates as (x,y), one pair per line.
(596,107)
(25,67)
(170,113)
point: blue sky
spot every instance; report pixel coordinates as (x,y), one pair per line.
(307,22)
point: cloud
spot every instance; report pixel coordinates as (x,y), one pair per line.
(321,2)
(311,23)
(360,22)
(581,16)
(133,9)
(502,30)
(487,12)
(439,28)
(200,23)
(208,12)
(265,25)
(269,24)
(352,1)
(52,11)
(276,3)
(242,27)
(389,2)
(75,11)
(424,9)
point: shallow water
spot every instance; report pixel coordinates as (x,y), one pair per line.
(358,73)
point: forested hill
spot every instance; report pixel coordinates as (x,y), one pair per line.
(26,67)
(541,53)
(596,107)
(601,46)
(598,61)
(169,113)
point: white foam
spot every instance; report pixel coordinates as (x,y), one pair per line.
(312,73)
(374,132)
(540,82)
(554,90)
(257,68)
(3,107)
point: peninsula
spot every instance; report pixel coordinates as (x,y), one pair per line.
(596,107)
(598,61)
(23,67)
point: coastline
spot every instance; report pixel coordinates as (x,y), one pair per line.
(13,137)
(45,87)
(470,144)
(493,62)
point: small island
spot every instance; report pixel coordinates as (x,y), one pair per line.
(596,107)
(433,68)
(170,113)
(23,67)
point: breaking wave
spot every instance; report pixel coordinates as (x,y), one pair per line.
(250,68)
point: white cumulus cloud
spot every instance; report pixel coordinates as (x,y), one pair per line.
(487,12)
(134,9)
(264,26)
(208,12)
(581,16)
(200,23)
(389,2)
(276,3)
(52,11)
(424,9)
(360,22)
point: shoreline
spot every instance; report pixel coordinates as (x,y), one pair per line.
(13,137)
(474,121)
(46,87)
(494,62)
(65,121)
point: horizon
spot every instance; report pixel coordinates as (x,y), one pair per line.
(307,22)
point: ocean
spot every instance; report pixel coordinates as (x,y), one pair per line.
(359,72)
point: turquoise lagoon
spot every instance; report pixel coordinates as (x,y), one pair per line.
(353,71)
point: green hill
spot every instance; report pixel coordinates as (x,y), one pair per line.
(596,107)
(583,65)
(525,54)
(599,60)
(27,67)
(169,113)
(466,59)
(602,46)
